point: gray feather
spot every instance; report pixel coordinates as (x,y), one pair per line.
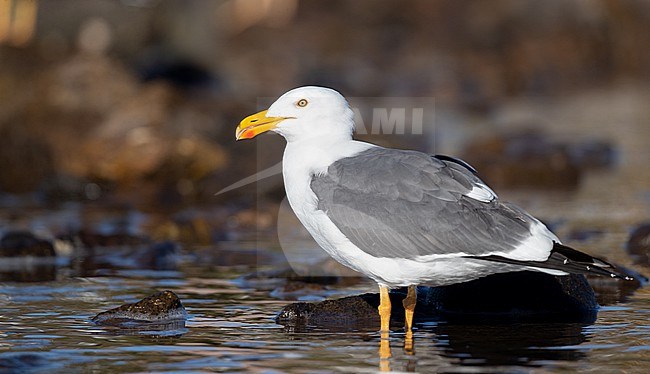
(395,203)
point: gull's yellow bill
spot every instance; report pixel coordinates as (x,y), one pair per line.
(256,124)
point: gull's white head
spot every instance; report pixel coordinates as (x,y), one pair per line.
(302,113)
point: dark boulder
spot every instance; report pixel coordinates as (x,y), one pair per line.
(510,297)
(516,296)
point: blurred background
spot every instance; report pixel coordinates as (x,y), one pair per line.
(117,122)
(118,116)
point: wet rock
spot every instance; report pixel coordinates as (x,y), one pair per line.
(348,310)
(523,160)
(638,245)
(25,243)
(161,308)
(510,297)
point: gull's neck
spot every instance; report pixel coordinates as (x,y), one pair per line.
(313,155)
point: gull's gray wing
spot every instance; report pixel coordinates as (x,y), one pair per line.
(407,204)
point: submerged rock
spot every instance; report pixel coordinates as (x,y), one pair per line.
(510,297)
(160,308)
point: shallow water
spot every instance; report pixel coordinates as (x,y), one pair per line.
(47,327)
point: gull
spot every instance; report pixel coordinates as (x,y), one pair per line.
(401,217)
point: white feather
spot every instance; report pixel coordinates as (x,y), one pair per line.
(481,192)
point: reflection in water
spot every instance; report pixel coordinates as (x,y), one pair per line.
(384,351)
(517,344)
(527,345)
(450,345)
(151,330)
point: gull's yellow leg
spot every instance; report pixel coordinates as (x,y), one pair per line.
(384,342)
(409,308)
(384,308)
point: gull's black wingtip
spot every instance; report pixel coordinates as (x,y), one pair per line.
(569,260)
(574,261)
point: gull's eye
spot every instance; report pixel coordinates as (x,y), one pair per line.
(302,103)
